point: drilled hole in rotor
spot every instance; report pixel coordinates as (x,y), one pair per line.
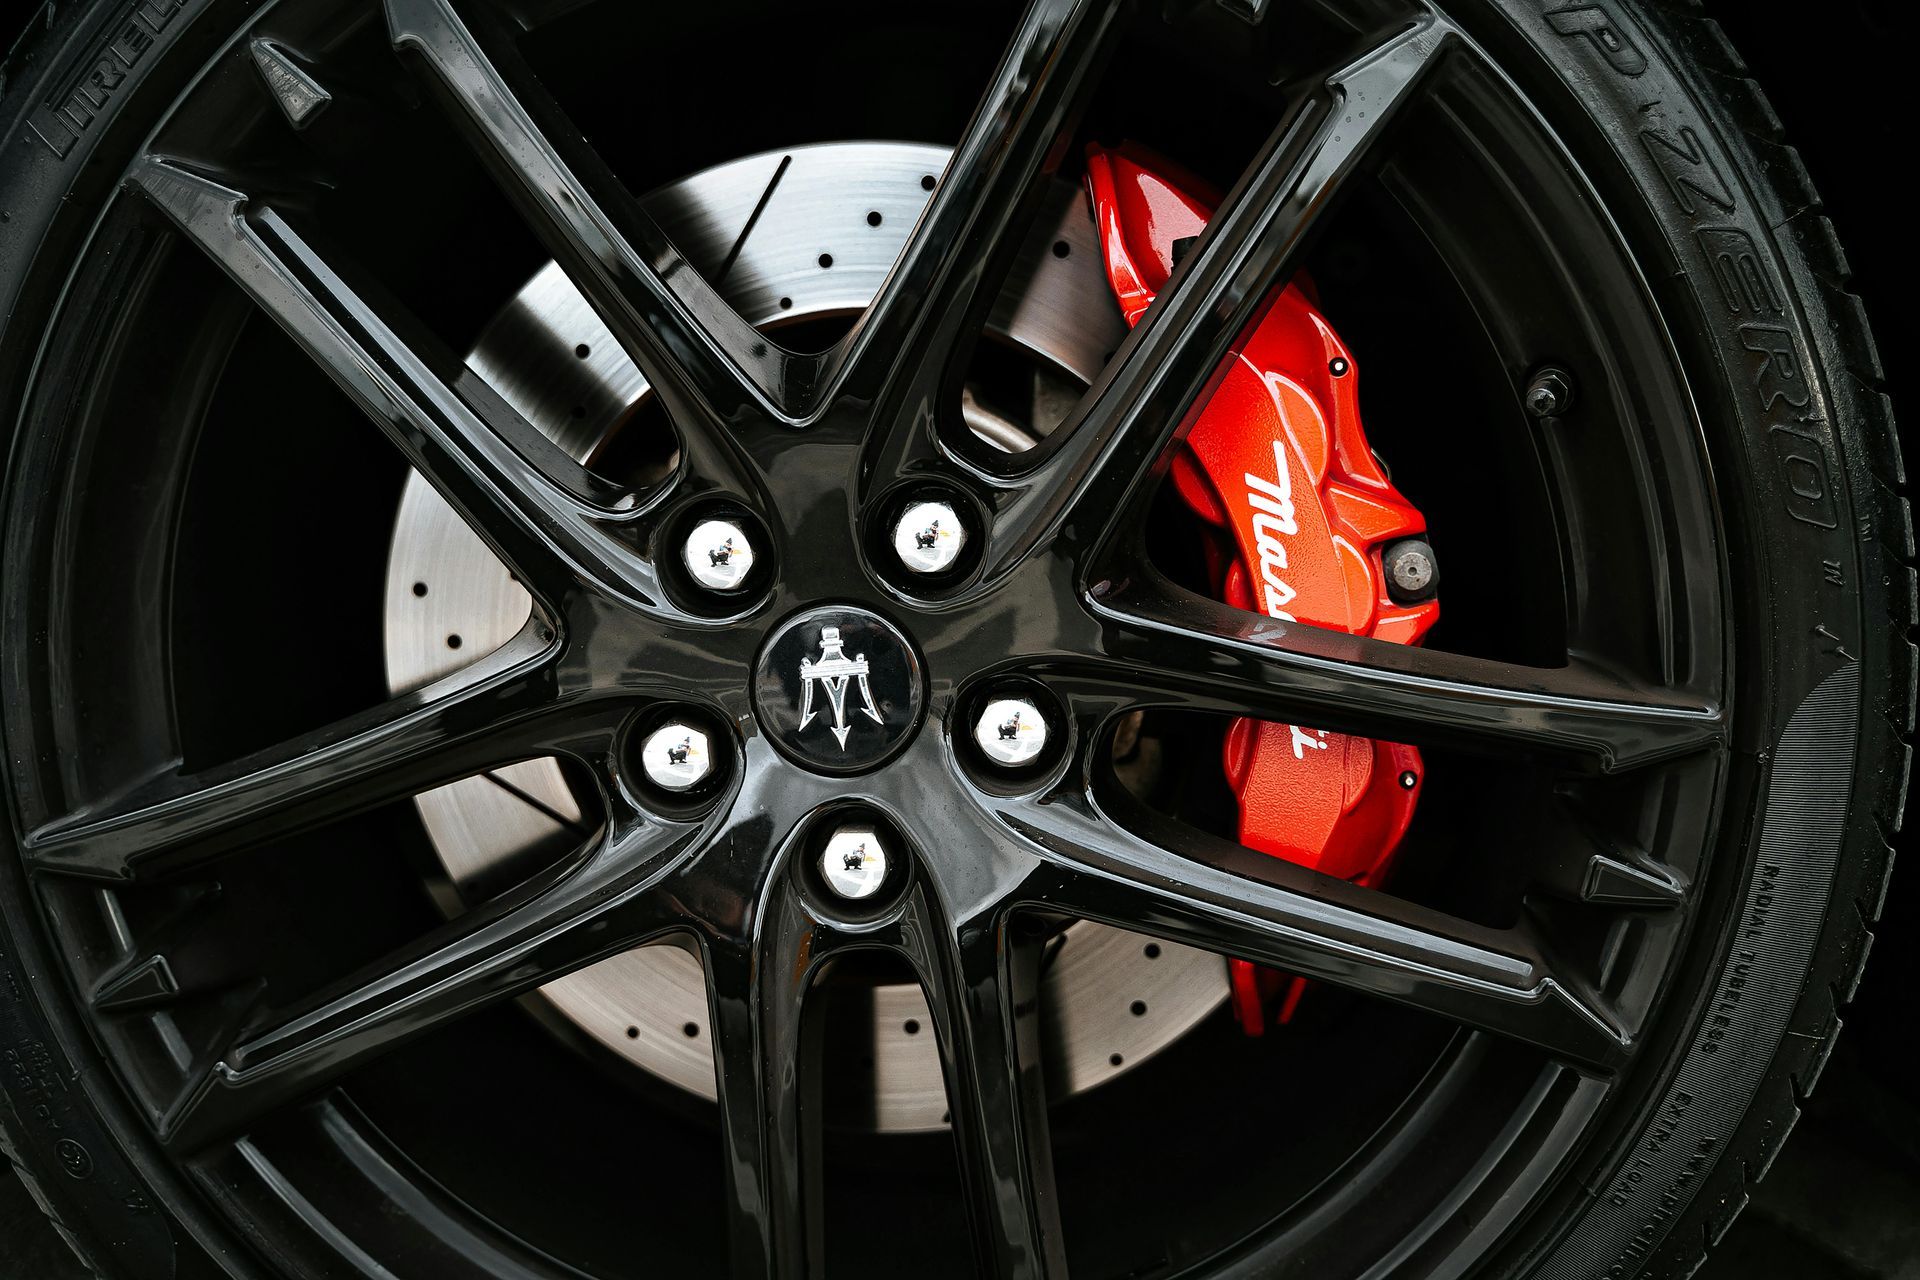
(454,641)
(1061,248)
(419,588)
(1138,1008)
(826,260)
(578,411)
(691,1030)
(1114,1060)
(583,351)
(786,304)
(911,1026)
(873,218)
(1152,951)
(926,182)
(633,1033)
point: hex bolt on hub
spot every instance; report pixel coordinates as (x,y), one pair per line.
(677,757)
(1411,571)
(1550,394)
(854,862)
(929,537)
(1011,731)
(718,555)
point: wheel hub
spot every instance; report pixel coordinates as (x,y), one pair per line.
(1111,998)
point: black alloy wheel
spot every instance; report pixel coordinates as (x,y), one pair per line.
(261,268)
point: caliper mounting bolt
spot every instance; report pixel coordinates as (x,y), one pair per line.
(1412,574)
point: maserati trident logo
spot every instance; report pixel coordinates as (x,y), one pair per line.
(838,689)
(830,676)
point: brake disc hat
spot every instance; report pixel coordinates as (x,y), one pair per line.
(834,220)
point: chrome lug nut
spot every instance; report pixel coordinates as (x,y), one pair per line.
(1411,571)
(1011,732)
(854,862)
(718,555)
(928,537)
(677,757)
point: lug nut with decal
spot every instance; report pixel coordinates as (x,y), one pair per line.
(718,554)
(854,862)
(1011,732)
(929,536)
(677,756)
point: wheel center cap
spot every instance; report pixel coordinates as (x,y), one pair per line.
(838,689)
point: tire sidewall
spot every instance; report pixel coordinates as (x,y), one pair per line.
(74,93)
(1751,1009)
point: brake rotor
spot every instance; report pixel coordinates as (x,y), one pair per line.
(806,234)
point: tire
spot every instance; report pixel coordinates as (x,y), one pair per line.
(1678,1180)
(1748,277)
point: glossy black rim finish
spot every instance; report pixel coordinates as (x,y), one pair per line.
(1063,594)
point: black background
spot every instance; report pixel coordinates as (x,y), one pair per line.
(1843,1201)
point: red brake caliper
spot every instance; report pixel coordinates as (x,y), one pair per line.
(1278,466)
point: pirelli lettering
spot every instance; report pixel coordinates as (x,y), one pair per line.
(62,120)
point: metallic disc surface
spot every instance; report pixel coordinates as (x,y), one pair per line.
(548,355)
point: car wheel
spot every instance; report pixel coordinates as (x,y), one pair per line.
(783,642)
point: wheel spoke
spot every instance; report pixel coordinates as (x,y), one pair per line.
(950,269)
(1220,897)
(559,923)
(1168,647)
(762,1064)
(1098,475)
(519,491)
(983,987)
(707,363)
(505,707)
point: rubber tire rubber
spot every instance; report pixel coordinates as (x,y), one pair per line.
(1830,753)
(1835,761)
